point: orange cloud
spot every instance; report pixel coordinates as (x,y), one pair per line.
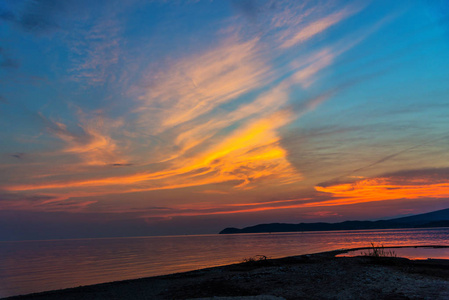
(362,191)
(248,156)
(380,189)
(93,144)
(267,103)
(228,209)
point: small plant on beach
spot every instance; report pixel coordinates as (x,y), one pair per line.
(256,261)
(257,258)
(379,251)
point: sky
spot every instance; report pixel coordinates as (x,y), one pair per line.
(129,118)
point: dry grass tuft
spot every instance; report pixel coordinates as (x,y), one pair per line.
(379,251)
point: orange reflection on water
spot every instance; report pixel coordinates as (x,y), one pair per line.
(408,252)
(33,266)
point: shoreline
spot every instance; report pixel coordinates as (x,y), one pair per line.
(310,276)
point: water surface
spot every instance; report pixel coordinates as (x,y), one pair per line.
(34,266)
(416,253)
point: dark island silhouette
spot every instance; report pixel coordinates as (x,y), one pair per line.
(439,218)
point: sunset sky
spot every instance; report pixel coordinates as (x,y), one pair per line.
(127,118)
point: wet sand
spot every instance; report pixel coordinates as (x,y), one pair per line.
(314,276)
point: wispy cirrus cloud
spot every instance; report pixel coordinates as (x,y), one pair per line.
(217,209)
(310,29)
(195,85)
(41,202)
(95,51)
(307,69)
(91,140)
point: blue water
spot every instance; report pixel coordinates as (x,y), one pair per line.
(34,266)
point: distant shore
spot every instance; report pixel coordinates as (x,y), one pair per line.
(312,276)
(434,219)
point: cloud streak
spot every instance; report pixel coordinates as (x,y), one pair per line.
(194,86)
(412,184)
(310,30)
(250,155)
(91,142)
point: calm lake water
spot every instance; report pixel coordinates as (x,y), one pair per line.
(34,266)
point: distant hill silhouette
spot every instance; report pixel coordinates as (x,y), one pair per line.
(439,218)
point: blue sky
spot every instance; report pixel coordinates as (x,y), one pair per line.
(153,117)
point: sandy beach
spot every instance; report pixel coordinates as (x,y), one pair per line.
(313,276)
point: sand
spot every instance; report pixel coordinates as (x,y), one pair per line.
(315,276)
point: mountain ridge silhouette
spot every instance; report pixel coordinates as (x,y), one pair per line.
(439,218)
